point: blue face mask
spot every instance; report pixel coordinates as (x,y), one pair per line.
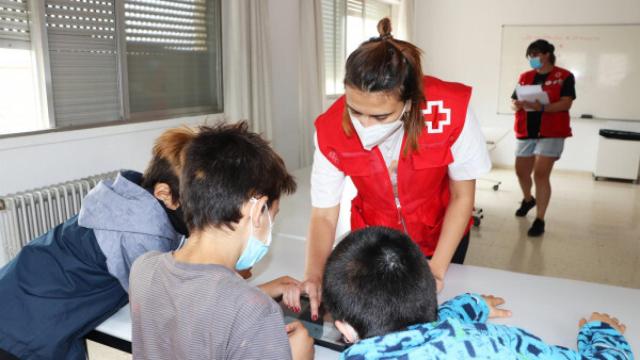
(255,249)
(535,62)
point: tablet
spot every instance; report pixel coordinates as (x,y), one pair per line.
(323,332)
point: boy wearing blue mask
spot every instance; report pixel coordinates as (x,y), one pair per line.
(380,290)
(191,303)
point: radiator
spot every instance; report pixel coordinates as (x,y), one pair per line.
(27,215)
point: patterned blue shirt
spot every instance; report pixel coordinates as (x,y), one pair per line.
(462,333)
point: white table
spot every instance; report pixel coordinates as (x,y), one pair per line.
(547,307)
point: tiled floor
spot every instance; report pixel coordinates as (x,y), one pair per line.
(593,233)
(592,230)
(101,352)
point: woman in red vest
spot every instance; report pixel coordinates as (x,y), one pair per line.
(541,129)
(411,147)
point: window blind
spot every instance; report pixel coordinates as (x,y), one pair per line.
(334,38)
(366,14)
(14,24)
(173,55)
(83,60)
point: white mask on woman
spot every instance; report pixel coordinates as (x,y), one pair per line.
(375,135)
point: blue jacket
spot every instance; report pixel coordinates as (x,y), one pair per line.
(66,282)
(462,333)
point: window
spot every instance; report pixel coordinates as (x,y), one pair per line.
(19,108)
(84,61)
(173,55)
(108,61)
(346,24)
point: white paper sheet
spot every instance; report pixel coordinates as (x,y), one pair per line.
(532,93)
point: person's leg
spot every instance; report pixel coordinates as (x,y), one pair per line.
(524,168)
(541,175)
(525,160)
(547,152)
(461,250)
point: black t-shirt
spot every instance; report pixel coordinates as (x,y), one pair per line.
(534,118)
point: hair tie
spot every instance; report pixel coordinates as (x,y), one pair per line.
(381,37)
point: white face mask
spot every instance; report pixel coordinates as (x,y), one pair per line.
(375,135)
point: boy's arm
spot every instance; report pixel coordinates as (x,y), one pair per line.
(596,340)
(466,308)
(599,340)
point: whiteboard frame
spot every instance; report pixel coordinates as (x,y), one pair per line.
(511,113)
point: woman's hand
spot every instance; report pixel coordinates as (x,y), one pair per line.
(438,274)
(312,287)
(322,233)
(516,105)
(279,287)
(532,105)
(493,302)
(439,284)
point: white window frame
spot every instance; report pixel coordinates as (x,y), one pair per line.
(42,72)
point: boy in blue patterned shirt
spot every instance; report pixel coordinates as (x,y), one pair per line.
(379,288)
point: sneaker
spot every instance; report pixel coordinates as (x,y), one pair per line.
(537,228)
(525,206)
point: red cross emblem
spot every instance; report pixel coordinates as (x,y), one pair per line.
(436,117)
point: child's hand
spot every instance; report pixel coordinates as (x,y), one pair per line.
(300,341)
(493,303)
(605,318)
(277,287)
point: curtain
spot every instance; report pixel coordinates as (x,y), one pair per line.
(312,77)
(247,63)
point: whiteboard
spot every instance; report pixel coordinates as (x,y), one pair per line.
(605,60)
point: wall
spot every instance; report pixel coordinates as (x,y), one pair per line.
(39,160)
(461,40)
(33,161)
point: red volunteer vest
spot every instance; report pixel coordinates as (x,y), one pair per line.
(423,183)
(553,125)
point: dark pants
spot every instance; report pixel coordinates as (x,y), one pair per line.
(461,250)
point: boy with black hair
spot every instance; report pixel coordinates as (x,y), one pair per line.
(379,288)
(191,303)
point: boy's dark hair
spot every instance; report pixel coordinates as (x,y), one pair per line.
(378,281)
(542,46)
(224,166)
(166,160)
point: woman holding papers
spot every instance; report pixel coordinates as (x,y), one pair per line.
(542,124)
(413,150)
